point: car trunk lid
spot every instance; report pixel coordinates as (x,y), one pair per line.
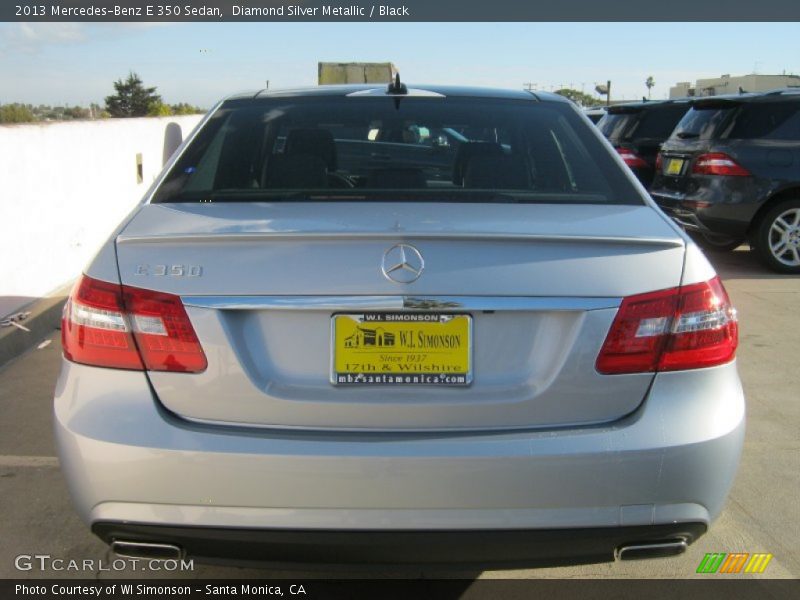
(262,281)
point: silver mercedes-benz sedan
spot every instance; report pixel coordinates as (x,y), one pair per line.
(398,325)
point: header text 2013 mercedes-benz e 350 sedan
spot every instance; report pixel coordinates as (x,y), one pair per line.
(398,325)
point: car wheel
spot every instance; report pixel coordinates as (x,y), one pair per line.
(717,243)
(777,239)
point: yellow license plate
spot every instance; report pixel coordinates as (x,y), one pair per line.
(397,349)
(674,166)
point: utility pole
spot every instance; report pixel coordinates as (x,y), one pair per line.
(529,86)
(604,90)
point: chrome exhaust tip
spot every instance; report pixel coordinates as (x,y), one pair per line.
(146,550)
(658,549)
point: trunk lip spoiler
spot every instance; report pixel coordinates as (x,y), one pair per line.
(403,302)
(396,235)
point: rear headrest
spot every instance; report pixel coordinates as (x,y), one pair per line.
(317,142)
(466,151)
(498,173)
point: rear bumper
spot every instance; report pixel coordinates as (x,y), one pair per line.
(714,205)
(493,547)
(686,218)
(127,461)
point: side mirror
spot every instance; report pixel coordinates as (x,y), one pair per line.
(173,136)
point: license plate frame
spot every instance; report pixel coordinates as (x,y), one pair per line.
(439,366)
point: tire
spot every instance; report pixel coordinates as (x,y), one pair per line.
(777,237)
(717,243)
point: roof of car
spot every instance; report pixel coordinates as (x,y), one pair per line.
(635,106)
(453,91)
(771,95)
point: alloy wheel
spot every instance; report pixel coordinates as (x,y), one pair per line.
(784,237)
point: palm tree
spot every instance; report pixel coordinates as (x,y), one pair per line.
(650,82)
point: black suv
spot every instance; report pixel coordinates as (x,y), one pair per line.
(637,131)
(730,172)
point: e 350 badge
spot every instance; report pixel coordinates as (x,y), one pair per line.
(170,270)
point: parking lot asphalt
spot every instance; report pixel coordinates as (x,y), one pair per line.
(762,513)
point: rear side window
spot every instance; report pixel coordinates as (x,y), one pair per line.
(409,149)
(701,122)
(767,120)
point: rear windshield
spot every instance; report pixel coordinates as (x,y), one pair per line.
(383,148)
(613,125)
(654,122)
(701,122)
(658,123)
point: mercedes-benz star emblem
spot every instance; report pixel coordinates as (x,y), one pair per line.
(402,263)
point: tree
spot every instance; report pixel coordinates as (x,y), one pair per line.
(76,112)
(16,113)
(132,98)
(159,109)
(578,97)
(183,108)
(650,82)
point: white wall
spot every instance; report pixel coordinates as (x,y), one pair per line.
(63,189)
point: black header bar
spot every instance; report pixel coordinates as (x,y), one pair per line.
(709,588)
(397,11)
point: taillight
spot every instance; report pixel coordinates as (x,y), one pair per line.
(718,163)
(630,157)
(163,332)
(94,328)
(688,327)
(109,325)
(659,161)
(704,331)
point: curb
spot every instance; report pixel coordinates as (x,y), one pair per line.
(45,316)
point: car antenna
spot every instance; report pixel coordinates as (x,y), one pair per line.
(396,88)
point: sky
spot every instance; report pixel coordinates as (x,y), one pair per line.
(77,63)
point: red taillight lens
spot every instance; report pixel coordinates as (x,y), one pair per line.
(659,161)
(109,325)
(163,332)
(704,332)
(638,334)
(630,157)
(690,327)
(94,328)
(718,163)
